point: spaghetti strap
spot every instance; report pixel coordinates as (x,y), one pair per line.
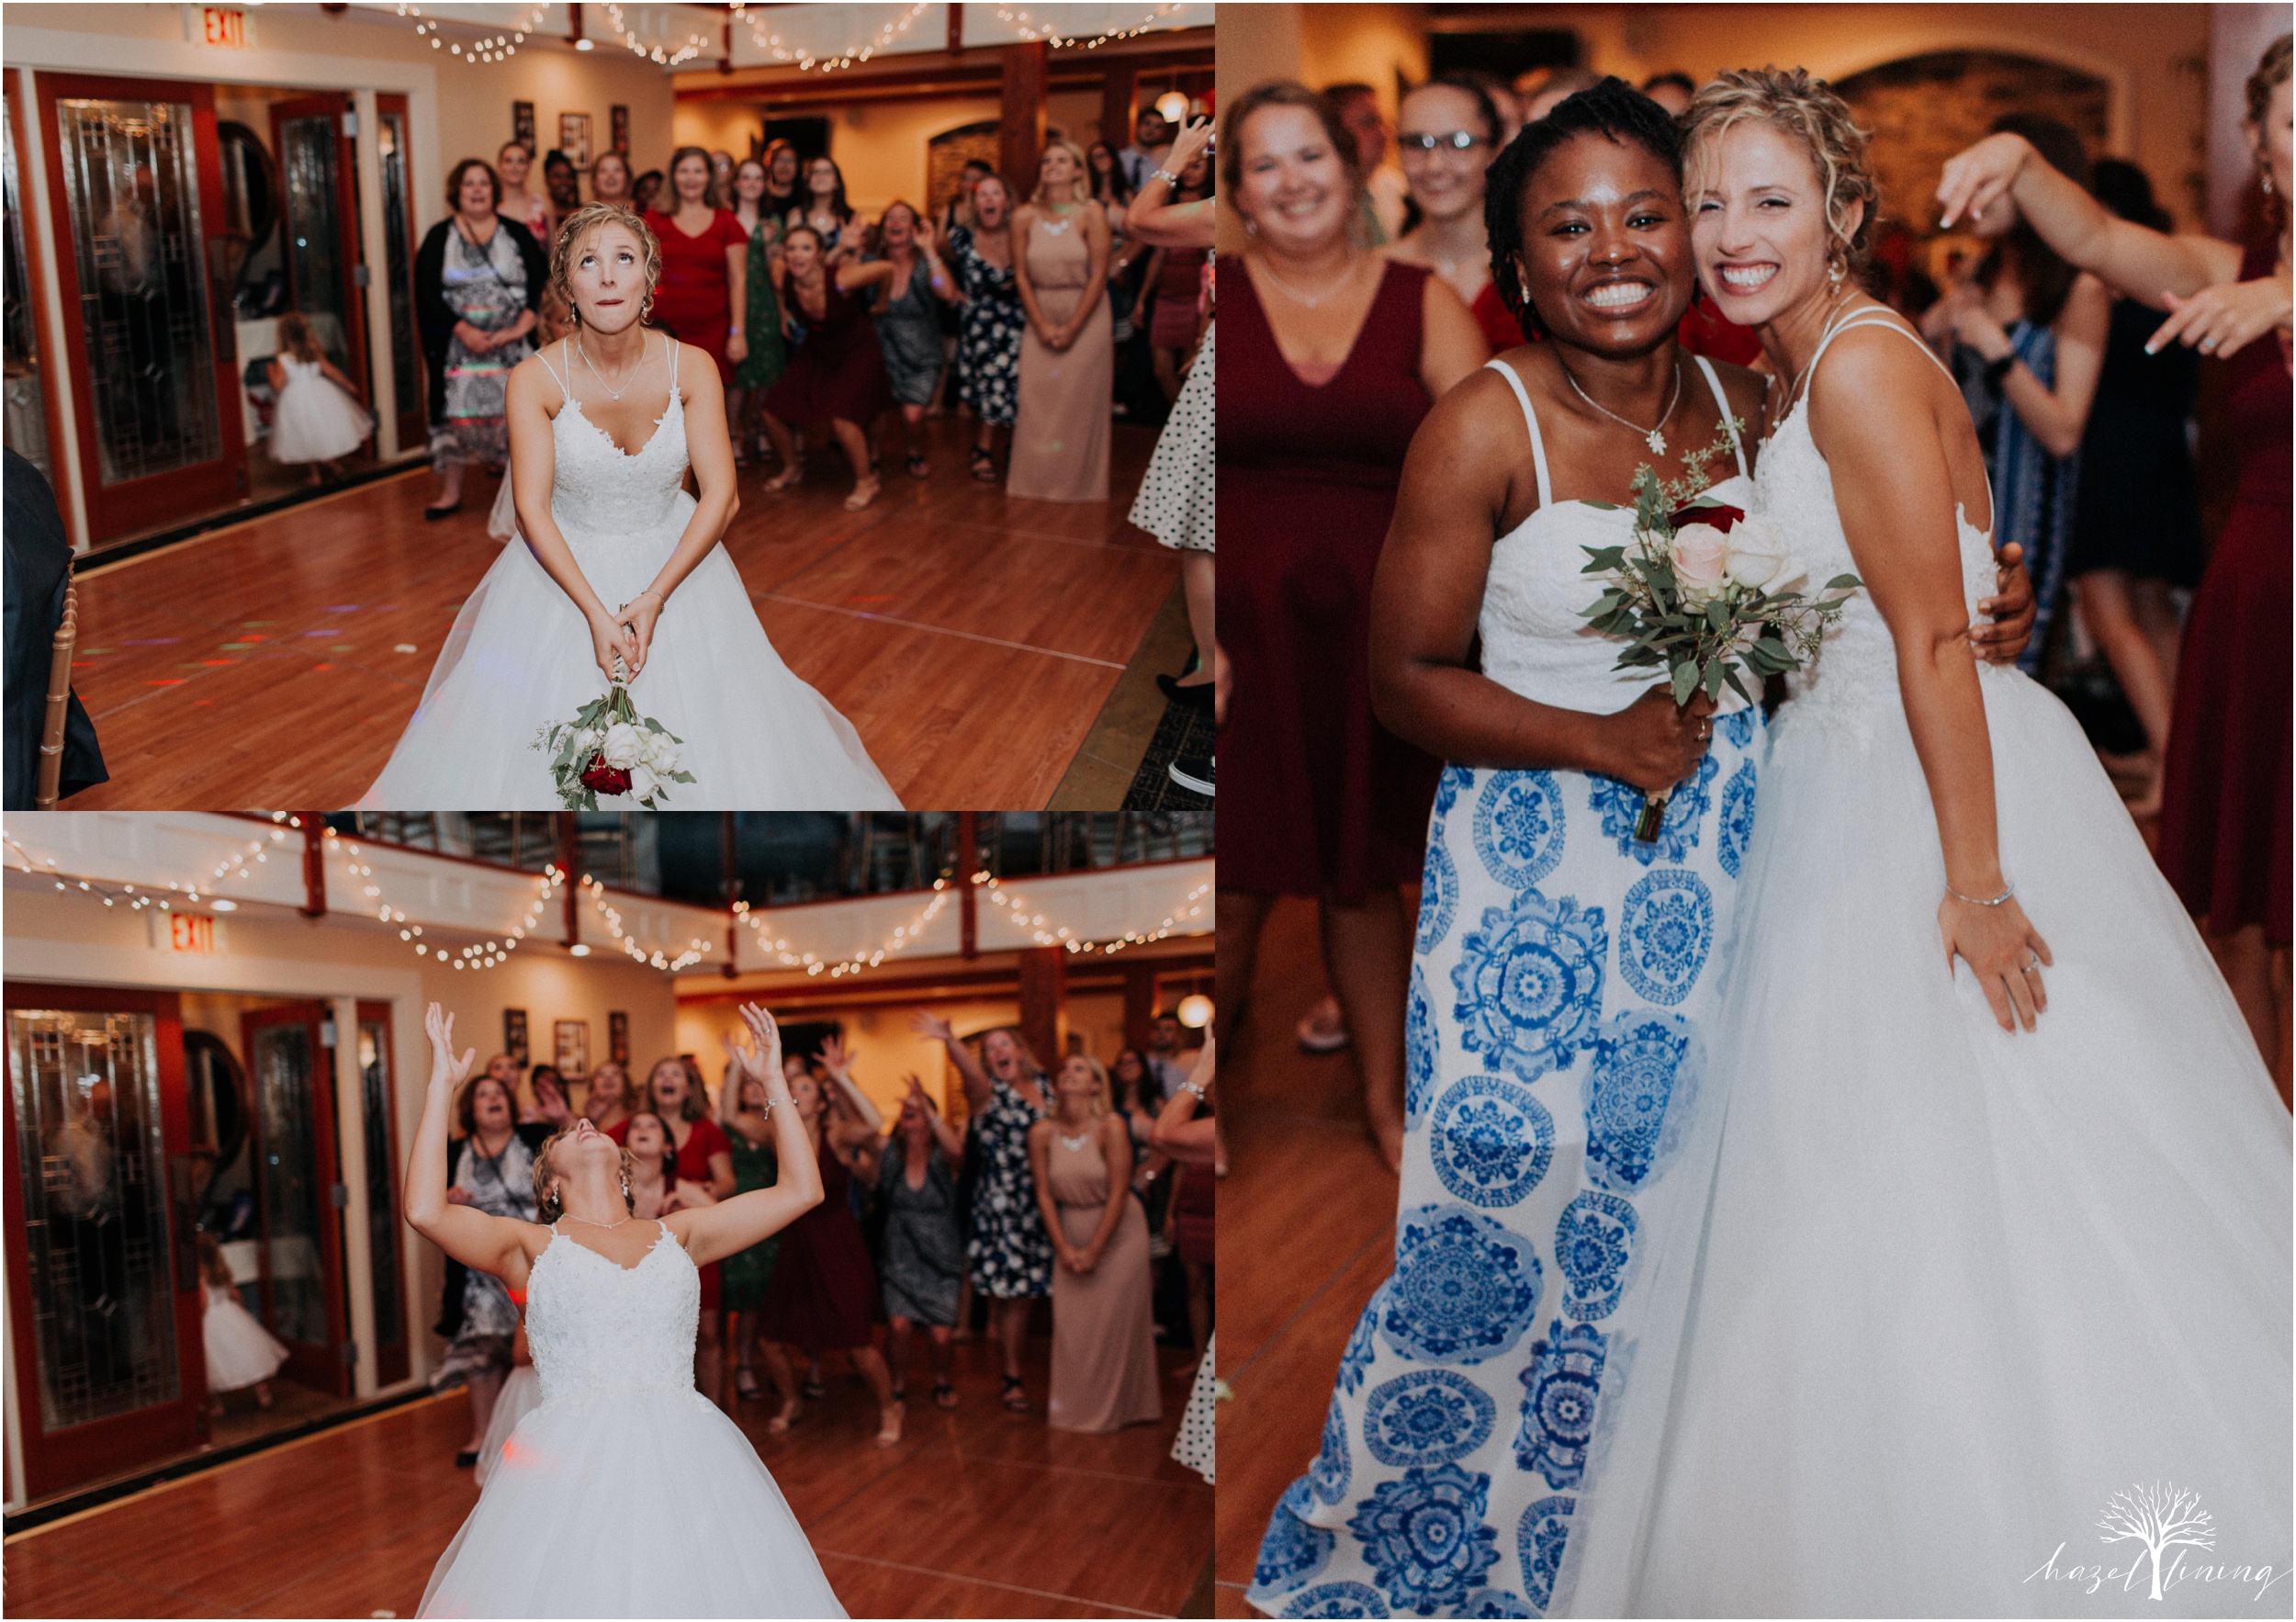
(1890,321)
(565,394)
(1737,448)
(674,347)
(1530,421)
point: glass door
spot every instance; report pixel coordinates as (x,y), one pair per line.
(103,1279)
(399,243)
(134,170)
(375,1095)
(298,1194)
(319,236)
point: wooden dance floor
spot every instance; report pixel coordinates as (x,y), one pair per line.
(978,1513)
(973,639)
(1307,1232)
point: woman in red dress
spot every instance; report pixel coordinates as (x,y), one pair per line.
(674,1093)
(1337,355)
(705,266)
(823,1293)
(2224,825)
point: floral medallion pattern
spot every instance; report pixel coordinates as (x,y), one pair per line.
(1338,1599)
(1439,897)
(1618,805)
(1424,1539)
(1595,1248)
(1327,1477)
(1529,984)
(1735,828)
(1419,1051)
(1433,1416)
(1647,1065)
(1490,1141)
(1560,1386)
(1464,1288)
(1292,1550)
(1665,930)
(1360,1350)
(1538,1540)
(1519,827)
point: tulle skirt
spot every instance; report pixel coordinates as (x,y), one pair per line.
(698,1528)
(521,1395)
(1961,1287)
(240,1351)
(519,659)
(315,421)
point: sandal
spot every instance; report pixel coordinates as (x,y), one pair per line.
(433,514)
(746,1384)
(813,1390)
(944,1394)
(984,465)
(791,1411)
(788,476)
(1015,1399)
(920,468)
(864,492)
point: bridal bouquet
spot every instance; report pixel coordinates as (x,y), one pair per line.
(609,748)
(1707,593)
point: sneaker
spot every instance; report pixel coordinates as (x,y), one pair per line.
(1193,772)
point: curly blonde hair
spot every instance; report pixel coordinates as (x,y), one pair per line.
(580,224)
(546,1182)
(1806,110)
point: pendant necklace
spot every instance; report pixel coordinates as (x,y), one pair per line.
(1651,436)
(609,387)
(1297,297)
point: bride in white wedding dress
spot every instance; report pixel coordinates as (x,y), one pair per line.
(619,563)
(624,1456)
(1999,1224)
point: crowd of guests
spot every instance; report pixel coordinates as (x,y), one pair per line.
(1025,304)
(1059,1184)
(1367,289)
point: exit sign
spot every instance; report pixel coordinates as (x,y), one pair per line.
(192,932)
(221,25)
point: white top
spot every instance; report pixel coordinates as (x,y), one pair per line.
(1537,641)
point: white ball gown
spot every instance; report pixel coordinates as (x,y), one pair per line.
(240,1351)
(621,1440)
(519,659)
(1959,1287)
(314,419)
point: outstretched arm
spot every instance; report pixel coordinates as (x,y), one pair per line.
(2147,265)
(836,1059)
(1880,427)
(533,462)
(1177,1132)
(979,1091)
(490,1244)
(711,449)
(950,1140)
(718,1231)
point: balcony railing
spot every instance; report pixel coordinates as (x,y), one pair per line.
(778,858)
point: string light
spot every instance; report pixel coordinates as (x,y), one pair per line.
(696,948)
(904,936)
(859,51)
(695,44)
(1029,29)
(494,49)
(1046,933)
(477,955)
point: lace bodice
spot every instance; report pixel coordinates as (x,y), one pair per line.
(1536,639)
(602,495)
(596,1327)
(1853,679)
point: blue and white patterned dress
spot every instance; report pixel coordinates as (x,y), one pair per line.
(1562,986)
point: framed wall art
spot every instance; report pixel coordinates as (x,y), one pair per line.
(571,1046)
(523,125)
(574,138)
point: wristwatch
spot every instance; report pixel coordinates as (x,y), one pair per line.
(1995,371)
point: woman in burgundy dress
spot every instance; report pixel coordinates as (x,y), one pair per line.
(823,1291)
(836,368)
(705,268)
(2225,828)
(1335,356)
(705,1157)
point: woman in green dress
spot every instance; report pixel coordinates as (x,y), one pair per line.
(741,1286)
(768,352)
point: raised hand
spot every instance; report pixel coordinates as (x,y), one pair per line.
(445,1066)
(834,1054)
(1188,146)
(769,1035)
(739,1053)
(2222,320)
(1973,178)
(933,1026)
(916,1091)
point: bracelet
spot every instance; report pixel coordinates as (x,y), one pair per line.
(1995,371)
(1972,901)
(1189,1086)
(1167,177)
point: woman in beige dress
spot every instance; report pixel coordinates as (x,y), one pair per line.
(1104,1334)
(1060,440)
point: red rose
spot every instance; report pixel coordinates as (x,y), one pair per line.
(603,779)
(1720,515)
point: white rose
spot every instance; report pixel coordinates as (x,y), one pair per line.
(622,746)
(660,753)
(644,784)
(1700,552)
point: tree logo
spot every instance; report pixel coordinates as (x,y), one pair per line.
(2159,1516)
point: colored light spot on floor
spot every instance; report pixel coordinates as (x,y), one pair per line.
(94,652)
(322,666)
(406,647)
(152,642)
(344,608)
(234,647)
(329,631)
(218,661)
(171,681)
(340,648)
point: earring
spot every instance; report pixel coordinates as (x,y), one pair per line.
(1251,227)
(2264,177)
(1833,273)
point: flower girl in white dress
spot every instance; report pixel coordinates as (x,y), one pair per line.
(621,1438)
(620,565)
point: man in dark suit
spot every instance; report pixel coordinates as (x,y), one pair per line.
(38,560)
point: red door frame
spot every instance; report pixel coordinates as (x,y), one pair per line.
(142,502)
(319,1366)
(108,1446)
(334,106)
(414,415)
(391,1359)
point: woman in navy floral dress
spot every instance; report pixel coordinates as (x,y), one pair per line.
(1009,1254)
(988,346)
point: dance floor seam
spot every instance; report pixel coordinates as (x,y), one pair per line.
(1331,1280)
(894,619)
(870,1560)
